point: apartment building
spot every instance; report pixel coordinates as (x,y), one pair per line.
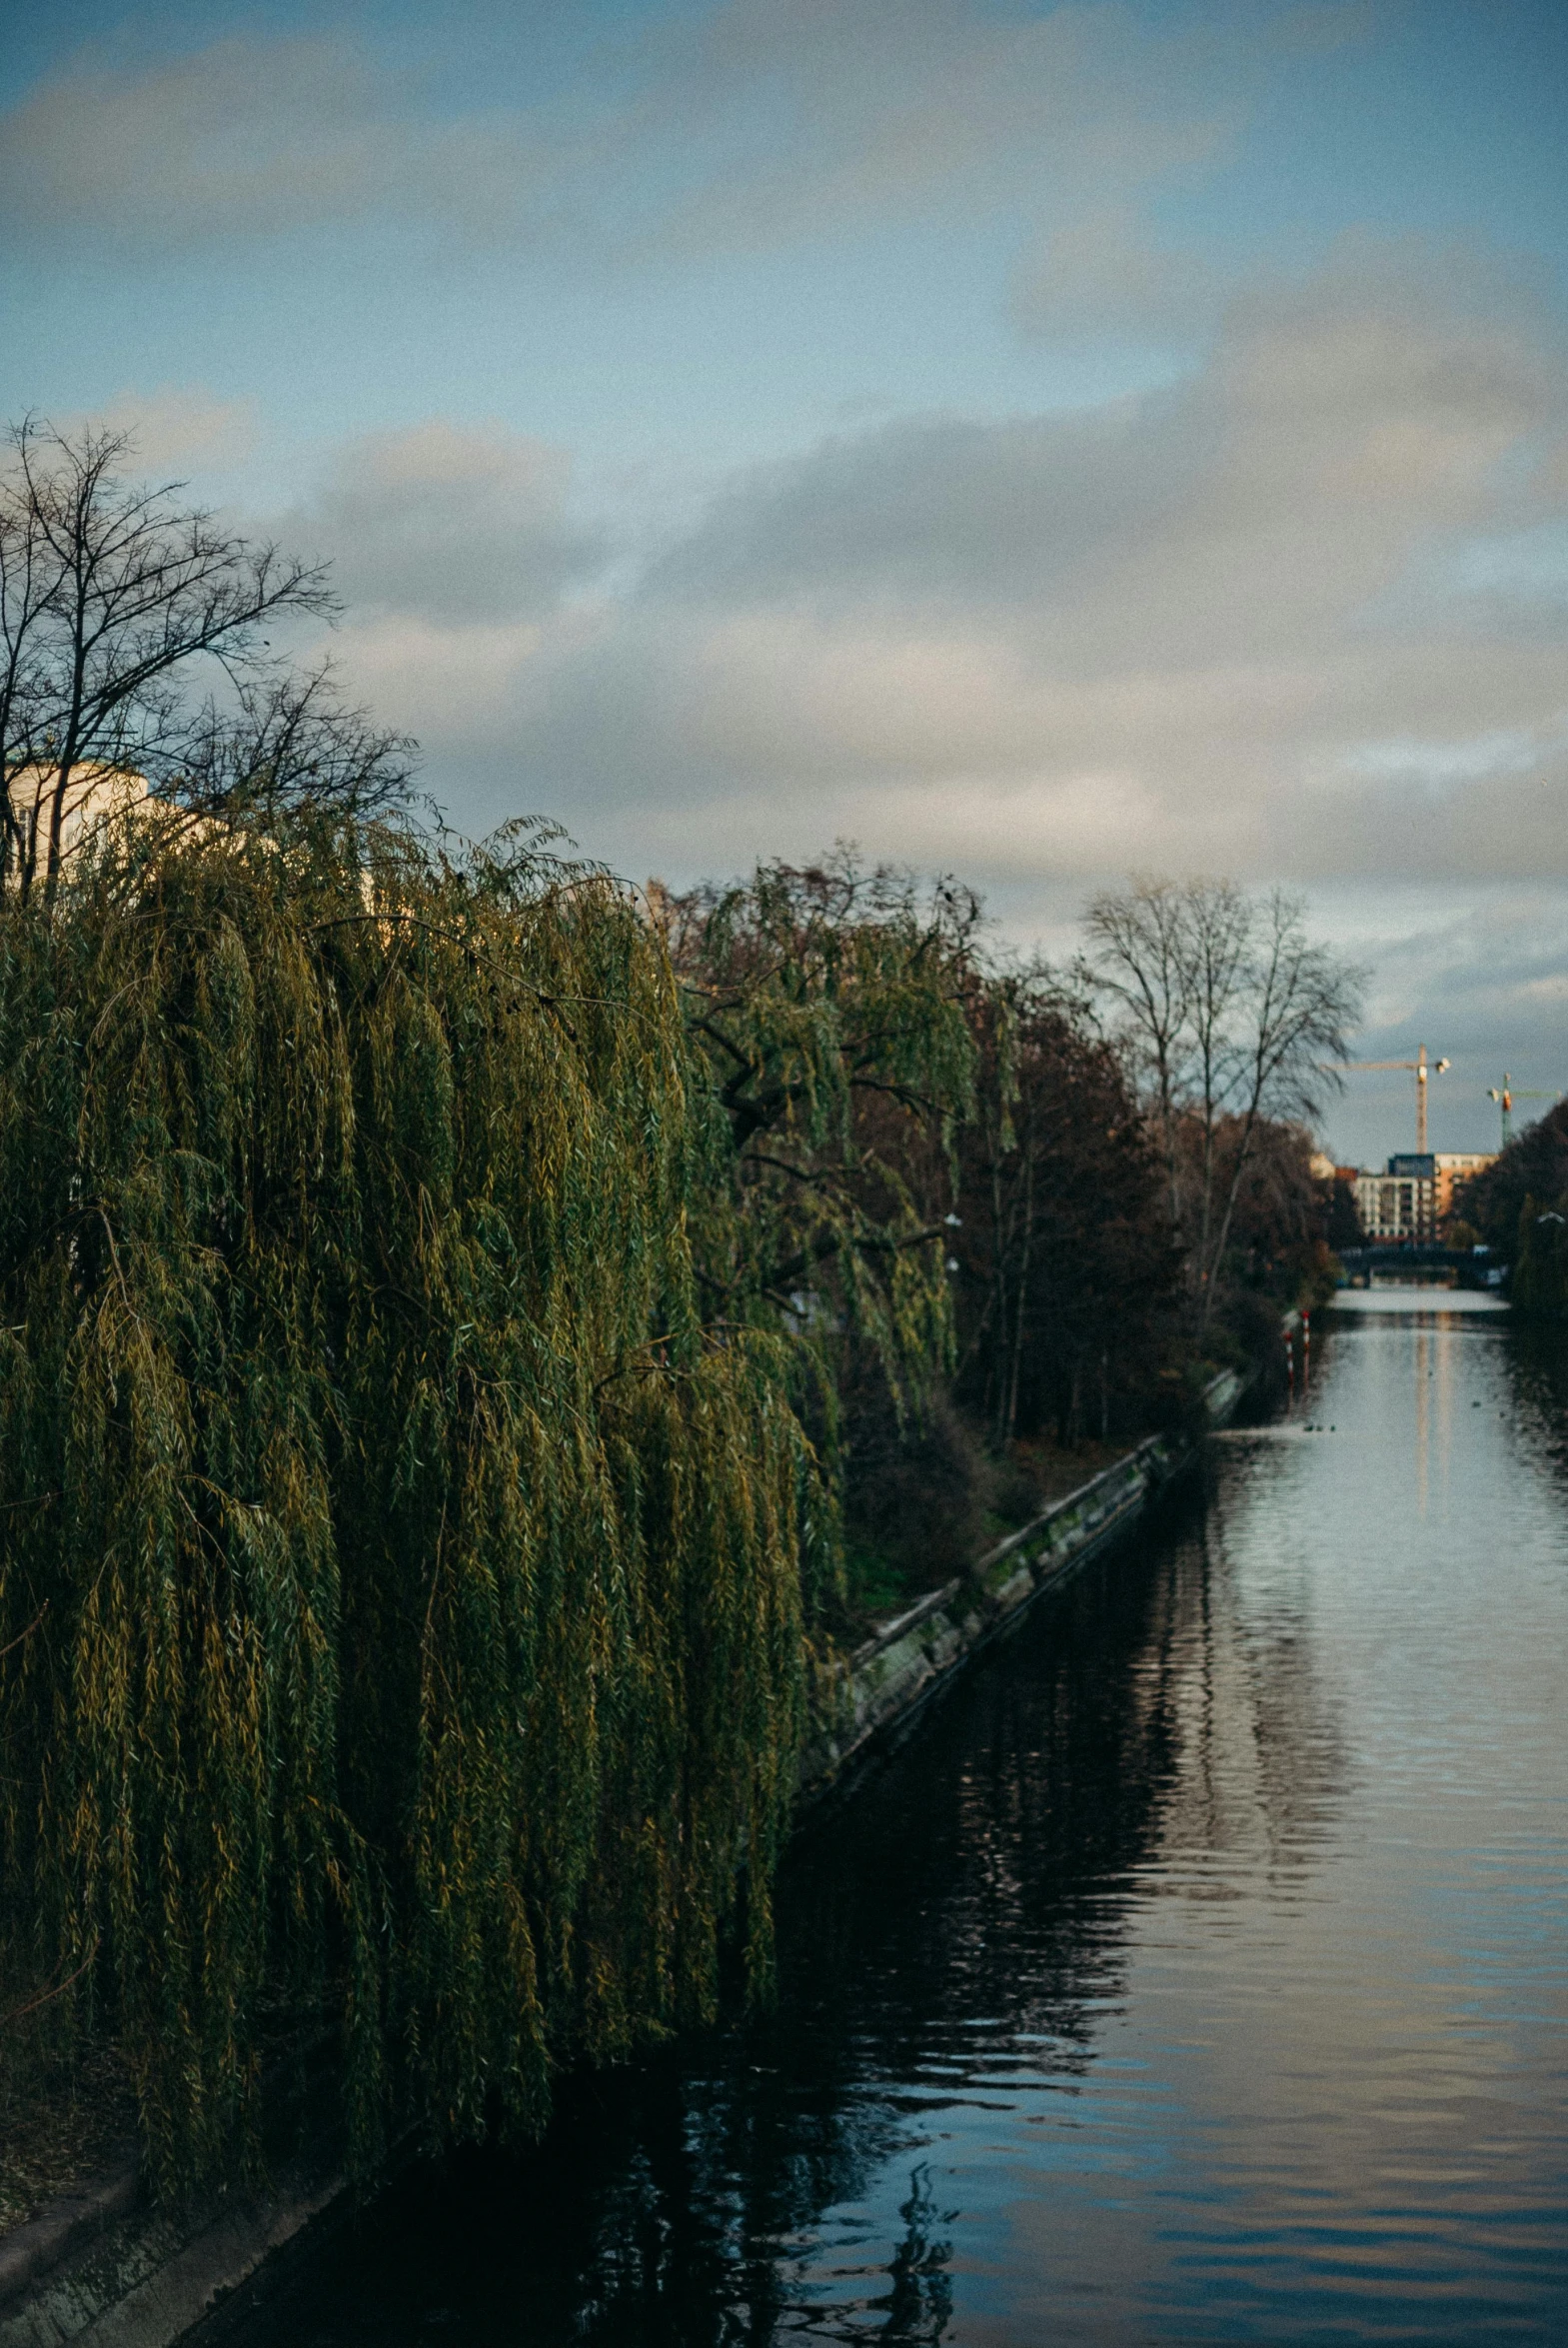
(1400,1204)
(1454,1169)
(1416,1194)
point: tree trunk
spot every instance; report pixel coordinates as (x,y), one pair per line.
(1023,1294)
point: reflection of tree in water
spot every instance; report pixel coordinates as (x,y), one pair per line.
(1259,1728)
(1538,1358)
(950,1938)
(919,2305)
(965,1917)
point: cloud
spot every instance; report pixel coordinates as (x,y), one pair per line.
(1103,273)
(176,429)
(252,137)
(449,527)
(1334,427)
(243,137)
(806,114)
(732,128)
(1180,628)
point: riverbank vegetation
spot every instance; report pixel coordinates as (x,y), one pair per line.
(404,1580)
(474,1337)
(1518,1208)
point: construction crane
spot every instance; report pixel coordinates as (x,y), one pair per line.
(1505,1096)
(1420,1065)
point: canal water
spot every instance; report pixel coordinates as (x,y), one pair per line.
(1200,1972)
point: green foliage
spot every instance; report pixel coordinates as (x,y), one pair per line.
(1534,1167)
(830,1006)
(439,1305)
(1538,1289)
(400,1611)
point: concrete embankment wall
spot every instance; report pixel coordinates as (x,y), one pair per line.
(867,1701)
(103,2269)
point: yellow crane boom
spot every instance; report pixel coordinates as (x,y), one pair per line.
(1420,1069)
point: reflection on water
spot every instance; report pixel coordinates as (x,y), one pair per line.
(1198,1973)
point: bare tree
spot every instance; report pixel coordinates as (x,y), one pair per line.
(1215,938)
(285,740)
(1230,1012)
(1141,963)
(118,605)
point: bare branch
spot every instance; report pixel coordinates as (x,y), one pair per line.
(1229,1010)
(116,600)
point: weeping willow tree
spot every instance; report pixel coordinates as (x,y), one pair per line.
(834,1007)
(400,1591)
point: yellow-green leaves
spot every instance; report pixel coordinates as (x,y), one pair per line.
(400,1559)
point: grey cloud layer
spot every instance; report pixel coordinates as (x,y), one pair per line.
(1242,621)
(1101,274)
(453,527)
(729,129)
(1338,424)
(242,138)
(177,428)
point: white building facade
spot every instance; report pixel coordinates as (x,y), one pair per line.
(1415,1194)
(1398,1206)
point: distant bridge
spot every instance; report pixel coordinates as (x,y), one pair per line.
(1361,1262)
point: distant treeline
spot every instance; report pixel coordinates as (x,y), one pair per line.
(1519,1208)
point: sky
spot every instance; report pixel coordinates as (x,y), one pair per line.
(1038,443)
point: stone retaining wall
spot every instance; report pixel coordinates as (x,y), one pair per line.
(866,1699)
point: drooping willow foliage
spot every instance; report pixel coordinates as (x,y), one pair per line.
(400,1566)
(835,1008)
